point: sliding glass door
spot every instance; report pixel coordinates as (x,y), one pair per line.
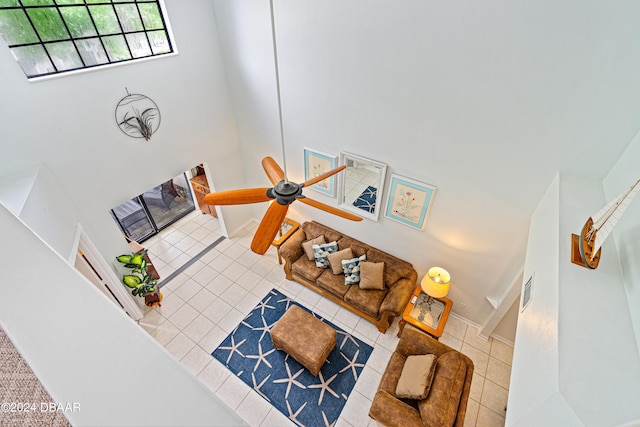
(155,209)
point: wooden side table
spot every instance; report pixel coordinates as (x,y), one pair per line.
(428,319)
(287,228)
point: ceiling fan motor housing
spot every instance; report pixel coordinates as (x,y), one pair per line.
(285,192)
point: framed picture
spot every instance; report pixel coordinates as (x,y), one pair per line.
(409,201)
(316,163)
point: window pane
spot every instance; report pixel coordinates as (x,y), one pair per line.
(116,48)
(129,17)
(133,219)
(92,52)
(37,2)
(105,19)
(151,16)
(82,33)
(159,42)
(138,45)
(169,201)
(64,55)
(15,27)
(78,21)
(33,60)
(48,24)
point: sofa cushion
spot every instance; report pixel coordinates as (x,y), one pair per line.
(389,380)
(396,268)
(314,229)
(366,300)
(321,253)
(336,258)
(356,246)
(307,269)
(372,275)
(441,405)
(416,376)
(307,246)
(332,283)
(351,269)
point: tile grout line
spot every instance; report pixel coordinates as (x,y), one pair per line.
(191,261)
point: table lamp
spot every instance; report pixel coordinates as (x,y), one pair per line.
(435,284)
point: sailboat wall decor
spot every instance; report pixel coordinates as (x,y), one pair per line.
(586,248)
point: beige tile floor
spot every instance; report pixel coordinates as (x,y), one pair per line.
(204,303)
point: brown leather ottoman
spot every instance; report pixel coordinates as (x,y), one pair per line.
(304,337)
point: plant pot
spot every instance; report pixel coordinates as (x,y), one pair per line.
(152,300)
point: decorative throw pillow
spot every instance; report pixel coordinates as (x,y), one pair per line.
(417,374)
(351,268)
(307,246)
(321,252)
(372,275)
(335,260)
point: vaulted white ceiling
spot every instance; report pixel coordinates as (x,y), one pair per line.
(485,100)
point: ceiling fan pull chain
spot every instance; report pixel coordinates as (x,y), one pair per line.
(275,61)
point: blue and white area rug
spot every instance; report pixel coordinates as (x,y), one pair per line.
(308,401)
(367,200)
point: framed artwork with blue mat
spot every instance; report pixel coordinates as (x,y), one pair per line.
(316,163)
(409,201)
(248,352)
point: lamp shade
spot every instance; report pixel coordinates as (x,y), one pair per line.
(436,282)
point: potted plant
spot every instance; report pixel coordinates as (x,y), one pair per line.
(140,280)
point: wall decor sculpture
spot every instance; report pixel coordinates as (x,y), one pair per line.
(137,116)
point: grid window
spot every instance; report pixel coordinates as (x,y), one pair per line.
(55,36)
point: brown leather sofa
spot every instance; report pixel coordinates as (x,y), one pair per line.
(378,306)
(446,402)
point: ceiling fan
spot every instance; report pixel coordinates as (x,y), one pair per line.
(283,192)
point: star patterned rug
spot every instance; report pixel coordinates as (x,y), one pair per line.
(248,352)
(367,200)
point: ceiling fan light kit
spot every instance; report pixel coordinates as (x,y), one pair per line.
(283,192)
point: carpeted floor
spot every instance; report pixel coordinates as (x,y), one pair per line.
(249,353)
(23,400)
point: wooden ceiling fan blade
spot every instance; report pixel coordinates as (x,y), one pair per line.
(269,227)
(273,170)
(323,176)
(237,197)
(330,209)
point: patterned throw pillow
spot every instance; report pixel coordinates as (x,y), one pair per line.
(308,246)
(351,269)
(322,251)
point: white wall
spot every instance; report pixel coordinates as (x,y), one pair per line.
(575,358)
(326,109)
(598,352)
(535,366)
(626,235)
(68,125)
(487,102)
(85,350)
(63,131)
